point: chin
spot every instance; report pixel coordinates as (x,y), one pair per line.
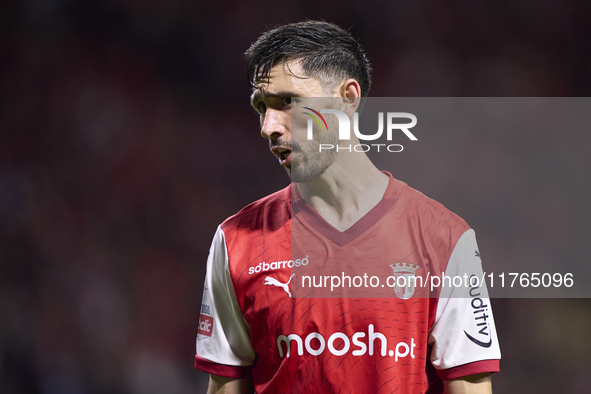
(303,175)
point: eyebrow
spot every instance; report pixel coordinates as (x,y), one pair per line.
(257,95)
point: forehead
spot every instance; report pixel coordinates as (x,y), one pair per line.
(287,79)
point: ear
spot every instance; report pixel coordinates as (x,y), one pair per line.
(350,91)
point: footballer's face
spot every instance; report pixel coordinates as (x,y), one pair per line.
(274,98)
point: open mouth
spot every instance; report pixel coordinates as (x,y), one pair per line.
(283,154)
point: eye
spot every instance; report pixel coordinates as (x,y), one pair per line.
(262,107)
(286,100)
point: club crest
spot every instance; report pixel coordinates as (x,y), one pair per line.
(404,275)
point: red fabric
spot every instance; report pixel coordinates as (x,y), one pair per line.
(227,371)
(461,371)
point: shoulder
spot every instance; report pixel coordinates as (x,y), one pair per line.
(427,221)
(428,211)
(270,212)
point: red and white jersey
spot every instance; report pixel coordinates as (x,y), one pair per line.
(261,317)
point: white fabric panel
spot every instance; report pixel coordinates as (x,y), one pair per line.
(464,312)
(229,343)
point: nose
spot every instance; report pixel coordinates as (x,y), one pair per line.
(273,125)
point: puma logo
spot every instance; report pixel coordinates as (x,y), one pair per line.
(274,282)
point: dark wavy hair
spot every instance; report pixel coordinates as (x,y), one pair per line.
(326,52)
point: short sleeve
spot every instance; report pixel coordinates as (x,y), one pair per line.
(463,337)
(223,342)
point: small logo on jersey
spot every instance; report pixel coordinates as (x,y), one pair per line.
(278,265)
(205,309)
(480,308)
(274,282)
(477,254)
(476,341)
(405,280)
(205,325)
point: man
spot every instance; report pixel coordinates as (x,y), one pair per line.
(340,212)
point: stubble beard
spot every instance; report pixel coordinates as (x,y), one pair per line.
(312,163)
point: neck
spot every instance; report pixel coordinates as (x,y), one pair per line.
(346,191)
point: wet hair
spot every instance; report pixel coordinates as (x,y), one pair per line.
(324,50)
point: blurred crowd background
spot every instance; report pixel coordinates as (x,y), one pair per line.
(126,137)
